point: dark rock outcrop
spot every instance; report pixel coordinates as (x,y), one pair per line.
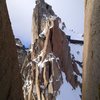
(10,78)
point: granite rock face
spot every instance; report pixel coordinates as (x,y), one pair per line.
(49,56)
(91,61)
(10,78)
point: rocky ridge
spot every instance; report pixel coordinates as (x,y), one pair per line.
(48,57)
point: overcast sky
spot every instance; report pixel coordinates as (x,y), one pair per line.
(20,11)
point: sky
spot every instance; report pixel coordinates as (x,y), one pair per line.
(20,11)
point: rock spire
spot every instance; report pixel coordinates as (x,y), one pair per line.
(50,57)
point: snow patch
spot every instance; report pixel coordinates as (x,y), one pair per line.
(66,91)
(19,45)
(49,57)
(70,32)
